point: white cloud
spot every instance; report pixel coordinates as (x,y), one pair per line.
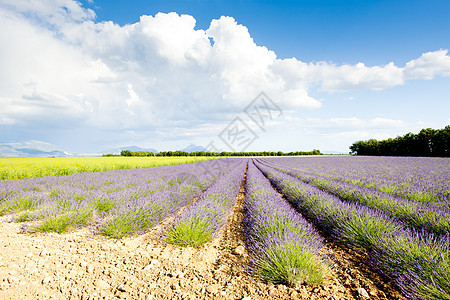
(333,78)
(58,63)
(428,66)
(386,123)
(55,12)
(346,77)
(41,76)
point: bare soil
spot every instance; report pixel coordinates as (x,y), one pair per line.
(83,265)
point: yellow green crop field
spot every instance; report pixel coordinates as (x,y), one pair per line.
(19,168)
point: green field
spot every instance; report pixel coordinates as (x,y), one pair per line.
(19,168)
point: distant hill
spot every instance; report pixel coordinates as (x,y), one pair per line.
(193,148)
(31,148)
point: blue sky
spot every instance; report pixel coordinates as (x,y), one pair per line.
(94,75)
(374,32)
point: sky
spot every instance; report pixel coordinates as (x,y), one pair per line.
(227,75)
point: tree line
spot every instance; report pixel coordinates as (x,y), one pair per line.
(428,142)
(207,153)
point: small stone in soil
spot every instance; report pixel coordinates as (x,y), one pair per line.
(46,280)
(239,250)
(177,274)
(153,263)
(213,289)
(12,279)
(363,293)
(123,288)
(102,285)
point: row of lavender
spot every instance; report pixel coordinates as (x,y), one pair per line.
(418,261)
(284,247)
(425,179)
(200,222)
(415,214)
(118,203)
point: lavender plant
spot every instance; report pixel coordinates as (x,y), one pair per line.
(422,179)
(62,222)
(418,262)
(284,247)
(414,214)
(21,203)
(130,222)
(198,224)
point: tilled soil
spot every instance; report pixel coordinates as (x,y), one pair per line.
(82,265)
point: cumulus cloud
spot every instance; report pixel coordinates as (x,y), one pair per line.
(428,66)
(333,78)
(58,63)
(40,73)
(54,12)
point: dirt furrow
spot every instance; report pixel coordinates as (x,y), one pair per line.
(354,273)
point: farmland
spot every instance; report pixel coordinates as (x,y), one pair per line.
(19,168)
(307,227)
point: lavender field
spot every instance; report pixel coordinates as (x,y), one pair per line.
(116,203)
(396,211)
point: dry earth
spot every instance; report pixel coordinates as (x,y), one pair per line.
(82,265)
